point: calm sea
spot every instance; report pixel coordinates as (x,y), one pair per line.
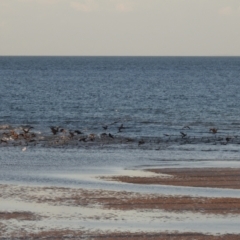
(155,98)
(150,96)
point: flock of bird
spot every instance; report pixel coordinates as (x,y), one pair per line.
(24,135)
(13,135)
(61,136)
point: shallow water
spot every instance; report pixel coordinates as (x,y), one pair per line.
(85,218)
(82,168)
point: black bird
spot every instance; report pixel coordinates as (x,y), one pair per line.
(129,140)
(71,134)
(183,134)
(78,132)
(105,127)
(26,129)
(54,130)
(120,128)
(110,135)
(213,130)
(33,135)
(228,139)
(186,127)
(141,142)
(91,137)
(83,139)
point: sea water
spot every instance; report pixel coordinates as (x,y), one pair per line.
(149,95)
(155,98)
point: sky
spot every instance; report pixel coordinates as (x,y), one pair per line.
(120,27)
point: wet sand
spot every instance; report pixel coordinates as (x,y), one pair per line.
(37,212)
(69,234)
(116,200)
(191,177)
(20,216)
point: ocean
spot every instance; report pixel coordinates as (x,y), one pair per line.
(149,95)
(165,105)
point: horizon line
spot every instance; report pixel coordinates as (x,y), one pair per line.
(119,55)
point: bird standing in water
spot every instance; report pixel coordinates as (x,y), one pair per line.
(141,142)
(213,130)
(78,132)
(54,130)
(120,128)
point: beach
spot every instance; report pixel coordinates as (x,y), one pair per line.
(57,186)
(38,212)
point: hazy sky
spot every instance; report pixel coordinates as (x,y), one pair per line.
(120,27)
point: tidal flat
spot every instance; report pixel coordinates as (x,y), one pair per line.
(116,194)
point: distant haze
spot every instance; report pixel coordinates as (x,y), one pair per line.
(120,27)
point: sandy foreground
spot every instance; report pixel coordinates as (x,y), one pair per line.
(34,212)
